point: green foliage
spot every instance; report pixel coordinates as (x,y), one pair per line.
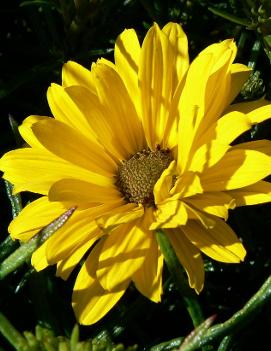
(45,340)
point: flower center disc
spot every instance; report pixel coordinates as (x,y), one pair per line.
(137,176)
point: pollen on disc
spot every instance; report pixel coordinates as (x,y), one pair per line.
(137,176)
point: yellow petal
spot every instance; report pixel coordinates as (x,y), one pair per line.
(69,144)
(109,130)
(66,111)
(223,131)
(196,214)
(38,259)
(207,155)
(66,266)
(237,169)
(221,51)
(124,252)
(25,130)
(216,203)
(89,300)
(239,75)
(121,215)
(192,105)
(79,230)
(262,145)
(219,242)
(93,303)
(180,64)
(118,109)
(104,61)
(148,279)
(171,213)
(75,74)
(34,217)
(127,52)
(202,106)
(260,114)
(157,74)
(87,105)
(219,83)
(257,193)
(179,43)
(78,191)
(164,183)
(188,184)
(257,111)
(36,170)
(189,257)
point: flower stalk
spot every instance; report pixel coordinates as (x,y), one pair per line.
(15,200)
(236,322)
(11,334)
(189,296)
(7,247)
(225,343)
(24,252)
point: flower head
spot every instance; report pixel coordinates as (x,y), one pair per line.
(136,145)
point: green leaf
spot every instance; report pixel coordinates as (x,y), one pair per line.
(37,2)
(230,17)
(193,338)
(15,200)
(24,252)
(11,334)
(235,323)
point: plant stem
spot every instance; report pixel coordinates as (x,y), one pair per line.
(225,343)
(168,345)
(7,247)
(237,321)
(189,296)
(24,252)
(11,334)
(17,258)
(15,200)
(230,17)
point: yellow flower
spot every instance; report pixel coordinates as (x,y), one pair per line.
(141,144)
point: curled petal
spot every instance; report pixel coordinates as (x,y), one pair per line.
(219,242)
(190,258)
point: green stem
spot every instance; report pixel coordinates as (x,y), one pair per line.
(15,200)
(230,17)
(242,41)
(189,296)
(74,338)
(225,343)
(7,246)
(168,345)
(17,258)
(237,321)
(11,334)
(24,252)
(15,130)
